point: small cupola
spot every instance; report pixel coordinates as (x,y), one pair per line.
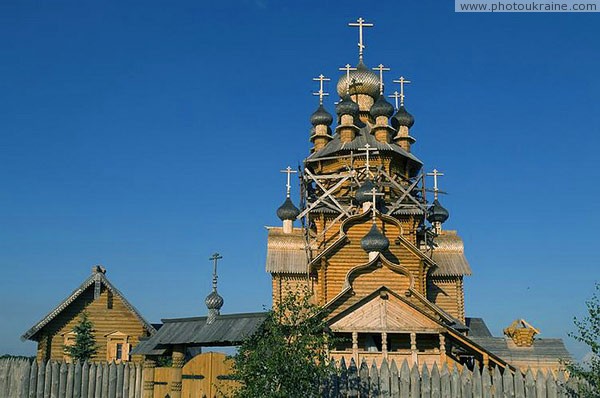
(321,119)
(288,212)
(437,215)
(214,302)
(402,118)
(381,107)
(374,242)
(521,333)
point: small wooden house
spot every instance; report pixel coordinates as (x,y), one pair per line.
(117,325)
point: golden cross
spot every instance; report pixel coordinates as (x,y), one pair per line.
(347,68)
(381,69)
(375,194)
(215,257)
(402,81)
(321,93)
(289,172)
(395,96)
(435,174)
(360,23)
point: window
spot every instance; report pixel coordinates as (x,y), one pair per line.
(117,347)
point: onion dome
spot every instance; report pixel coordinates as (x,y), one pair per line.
(364,193)
(214,301)
(437,213)
(402,118)
(374,241)
(381,108)
(346,106)
(321,116)
(362,81)
(287,211)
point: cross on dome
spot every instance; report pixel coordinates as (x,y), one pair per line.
(381,69)
(397,96)
(289,172)
(402,81)
(360,24)
(367,148)
(215,258)
(375,194)
(347,68)
(435,174)
(321,93)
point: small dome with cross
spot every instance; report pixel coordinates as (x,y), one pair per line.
(362,81)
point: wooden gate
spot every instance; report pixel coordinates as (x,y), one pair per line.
(207,376)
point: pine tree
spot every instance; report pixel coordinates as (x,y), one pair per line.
(85,344)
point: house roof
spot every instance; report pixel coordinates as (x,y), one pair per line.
(542,350)
(477,327)
(225,330)
(98,275)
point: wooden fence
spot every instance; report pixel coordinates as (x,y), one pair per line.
(26,379)
(21,378)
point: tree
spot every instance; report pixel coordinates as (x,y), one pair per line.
(287,356)
(85,344)
(588,332)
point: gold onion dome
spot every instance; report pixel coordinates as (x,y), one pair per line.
(362,81)
(437,213)
(364,193)
(287,211)
(346,106)
(374,241)
(214,301)
(321,116)
(402,118)
(381,108)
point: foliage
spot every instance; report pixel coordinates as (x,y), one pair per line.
(287,356)
(10,356)
(164,361)
(588,332)
(85,344)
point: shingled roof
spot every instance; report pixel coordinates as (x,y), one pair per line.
(225,330)
(286,252)
(97,278)
(449,255)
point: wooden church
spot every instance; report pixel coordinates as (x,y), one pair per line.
(369,241)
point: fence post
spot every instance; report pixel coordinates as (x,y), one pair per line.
(445,381)
(436,391)
(77,380)
(508,383)
(477,386)
(353,381)
(551,389)
(466,383)
(394,385)
(48,380)
(98,384)
(529,384)
(404,380)
(33,379)
(25,378)
(384,379)
(85,380)
(70,376)
(374,381)
(486,383)
(415,382)
(540,384)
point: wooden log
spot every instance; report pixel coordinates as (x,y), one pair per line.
(519,384)
(425,382)
(138,380)
(85,380)
(41,378)
(77,380)
(529,384)
(561,381)
(120,380)
(33,373)
(404,380)
(4,364)
(363,388)
(415,382)
(91,381)
(105,380)
(334,386)
(62,384)
(10,375)
(55,380)
(126,369)
(498,390)
(70,376)
(112,380)
(98,383)
(477,386)
(353,380)
(445,382)
(436,391)
(394,380)
(466,383)
(551,388)
(455,390)
(374,381)
(508,384)
(486,383)
(385,389)
(540,384)
(131,381)
(343,379)
(48,380)
(24,379)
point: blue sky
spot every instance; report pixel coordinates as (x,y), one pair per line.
(147,135)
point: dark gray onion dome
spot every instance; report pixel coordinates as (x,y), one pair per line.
(364,194)
(402,118)
(321,116)
(365,82)
(374,241)
(381,108)
(346,106)
(287,211)
(437,213)
(214,301)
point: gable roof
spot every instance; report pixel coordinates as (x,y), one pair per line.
(225,330)
(98,275)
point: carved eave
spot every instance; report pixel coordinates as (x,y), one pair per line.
(352,127)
